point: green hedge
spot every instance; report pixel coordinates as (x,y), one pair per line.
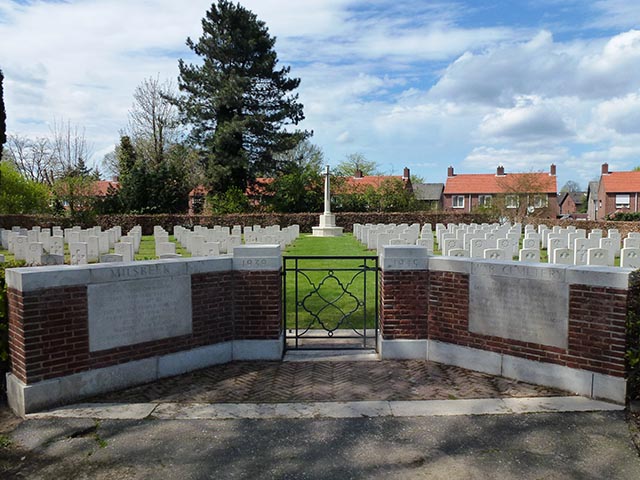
(633,337)
(625,217)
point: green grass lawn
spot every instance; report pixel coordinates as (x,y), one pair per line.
(330,288)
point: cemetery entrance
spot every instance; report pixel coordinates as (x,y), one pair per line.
(330,302)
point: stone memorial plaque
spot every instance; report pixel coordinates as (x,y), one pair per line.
(525,309)
(130,312)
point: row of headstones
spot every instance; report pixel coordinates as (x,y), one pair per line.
(207,242)
(377,236)
(568,245)
(44,246)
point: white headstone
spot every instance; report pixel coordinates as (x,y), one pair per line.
(598,256)
(529,255)
(78,251)
(630,258)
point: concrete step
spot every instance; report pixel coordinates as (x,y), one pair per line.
(368,355)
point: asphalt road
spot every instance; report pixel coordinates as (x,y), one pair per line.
(533,446)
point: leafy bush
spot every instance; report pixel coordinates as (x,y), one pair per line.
(625,217)
(633,337)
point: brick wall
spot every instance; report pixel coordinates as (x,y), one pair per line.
(48,332)
(596,326)
(49,335)
(257,305)
(403,304)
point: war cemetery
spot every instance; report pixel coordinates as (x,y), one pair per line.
(406,247)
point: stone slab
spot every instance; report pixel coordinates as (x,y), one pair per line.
(404,257)
(102,411)
(188,360)
(145,310)
(257,258)
(525,309)
(612,277)
(558,376)
(403,349)
(465,357)
(258,349)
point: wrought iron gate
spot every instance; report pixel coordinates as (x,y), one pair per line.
(330,307)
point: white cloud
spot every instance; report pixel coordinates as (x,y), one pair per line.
(532,119)
(616,14)
(595,69)
(486,159)
(621,115)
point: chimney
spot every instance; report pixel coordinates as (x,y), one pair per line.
(552,170)
(405,175)
(605,169)
(358,173)
(450,172)
(500,171)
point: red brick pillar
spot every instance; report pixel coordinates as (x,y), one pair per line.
(404,299)
(257,302)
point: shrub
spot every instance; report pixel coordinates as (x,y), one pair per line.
(633,337)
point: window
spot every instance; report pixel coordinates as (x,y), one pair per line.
(511,201)
(458,201)
(539,201)
(484,200)
(622,200)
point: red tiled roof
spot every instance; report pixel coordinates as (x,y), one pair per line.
(101,187)
(621,182)
(359,184)
(491,183)
(258,188)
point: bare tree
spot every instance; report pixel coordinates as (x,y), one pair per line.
(153,120)
(34,159)
(69,145)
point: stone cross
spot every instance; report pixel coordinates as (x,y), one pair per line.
(327,193)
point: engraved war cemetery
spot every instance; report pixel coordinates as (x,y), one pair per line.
(272,284)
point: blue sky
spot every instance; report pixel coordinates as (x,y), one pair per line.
(423,84)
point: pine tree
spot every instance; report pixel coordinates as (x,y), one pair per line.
(238,101)
(3,117)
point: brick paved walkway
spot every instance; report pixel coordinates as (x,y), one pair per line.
(278,382)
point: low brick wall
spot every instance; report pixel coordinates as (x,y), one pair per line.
(554,325)
(81,330)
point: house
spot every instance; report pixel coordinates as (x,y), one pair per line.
(617,192)
(429,195)
(467,192)
(255,193)
(571,202)
(102,188)
(360,182)
(592,200)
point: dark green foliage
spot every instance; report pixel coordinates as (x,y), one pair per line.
(146,187)
(297,189)
(299,185)
(624,217)
(633,337)
(3,117)
(233,200)
(237,102)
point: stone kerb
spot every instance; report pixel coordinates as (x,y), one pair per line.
(555,325)
(82,330)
